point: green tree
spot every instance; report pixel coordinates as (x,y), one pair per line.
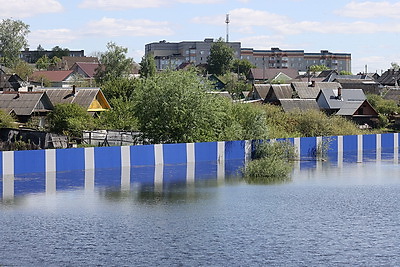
(6,120)
(43,63)
(174,107)
(317,68)
(121,88)
(59,52)
(220,59)
(147,66)
(241,66)
(23,70)
(114,64)
(344,72)
(120,117)
(70,120)
(12,40)
(395,66)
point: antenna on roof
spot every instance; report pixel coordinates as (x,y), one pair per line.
(227,27)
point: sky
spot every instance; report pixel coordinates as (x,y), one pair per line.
(369,30)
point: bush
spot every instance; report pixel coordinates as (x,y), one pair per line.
(70,120)
(271,164)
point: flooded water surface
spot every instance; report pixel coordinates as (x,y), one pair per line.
(327,215)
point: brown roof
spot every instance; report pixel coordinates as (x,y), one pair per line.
(299,104)
(88,68)
(306,91)
(83,96)
(262,89)
(53,76)
(282,91)
(25,103)
(266,74)
(68,62)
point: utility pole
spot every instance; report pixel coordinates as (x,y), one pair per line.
(227,27)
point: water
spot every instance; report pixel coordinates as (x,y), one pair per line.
(327,215)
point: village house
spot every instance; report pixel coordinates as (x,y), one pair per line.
(57,78)
(350,103)
(91,99)
(25,105)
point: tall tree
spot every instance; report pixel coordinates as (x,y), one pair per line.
(113,64)
(12,40)
(59,52)
(220,59)
(147,66)
(242,66)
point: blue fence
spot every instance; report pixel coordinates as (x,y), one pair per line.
(85,167)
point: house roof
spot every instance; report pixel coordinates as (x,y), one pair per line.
(25,103)
(390,77)
(88,68)
(267,74)
(306,91)
(347,96)
(91,99)
(349,108)
(282,91)
(67,62)
(53,76)
(392,94)
(262,89)
(299,104)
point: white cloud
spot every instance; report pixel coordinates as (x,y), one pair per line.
(370,9)
(121,4)
(263,41)
(54,36)
(200,1)
(24,9)
(119,27)
(247,21)
(130,4)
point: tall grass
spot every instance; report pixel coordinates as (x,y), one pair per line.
(271,163)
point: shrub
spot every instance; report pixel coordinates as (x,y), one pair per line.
(271,163)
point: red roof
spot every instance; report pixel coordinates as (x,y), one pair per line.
(53,76)
(87,67)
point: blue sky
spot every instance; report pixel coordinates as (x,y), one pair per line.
(369,30)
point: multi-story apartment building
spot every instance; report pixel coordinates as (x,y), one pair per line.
(31,56)
(172,55)
(296,59)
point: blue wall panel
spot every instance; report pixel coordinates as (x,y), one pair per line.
(205,170)
(107,157)
(30,161)
(108,177)
(205,151)
(174,174)
(1,164)
(234,167)
(387,142)
(174,154)
(142,175)
(70,159)
(142,155)
(308,146)
(29,184)
(350,143)
(369,142)
(70,180)
(235,150)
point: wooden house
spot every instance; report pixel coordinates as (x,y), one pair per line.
(350,103)
(24,105)
(91,99)
(57,78)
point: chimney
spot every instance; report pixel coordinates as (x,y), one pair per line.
(312,84)
(339,93)
(74,89)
